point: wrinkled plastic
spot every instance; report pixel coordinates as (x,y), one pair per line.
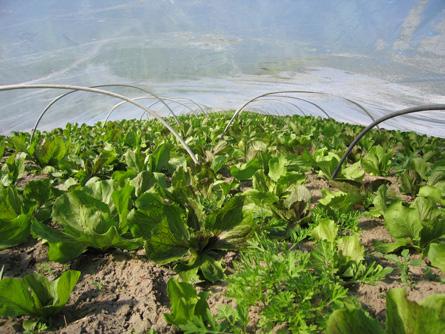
(384,54)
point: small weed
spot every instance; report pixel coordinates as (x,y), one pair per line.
(286,285)
(98,285)
(347,221)
(45,268)
(33,326)
(403,262)
(430,275)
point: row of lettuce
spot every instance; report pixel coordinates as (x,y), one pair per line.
(129,185)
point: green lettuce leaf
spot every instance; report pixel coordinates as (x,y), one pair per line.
(350,248)
(405,316)
(402,316)
(51,150)
(353,172)
(245,171)
(325,230)
(377,160)
(84,220)
(403,222)
(14,222)
(436,254)
(190,311)
(35,295)
(352,320)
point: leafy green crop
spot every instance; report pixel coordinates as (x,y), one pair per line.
(343,256)
(51,151)
(291,292)
(339,200)
(35,295)
(326,161)
(420,225)
(377,161)
(129,185)
(93,216)
(189,310)
(15,218)
(13,169)
(175,237)
(402,316)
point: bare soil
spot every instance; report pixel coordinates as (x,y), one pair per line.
(373,297)
(419,286)
(123,292)
(118,292)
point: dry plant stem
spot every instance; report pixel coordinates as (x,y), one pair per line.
(108,93)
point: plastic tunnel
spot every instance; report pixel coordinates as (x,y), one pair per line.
(384,55)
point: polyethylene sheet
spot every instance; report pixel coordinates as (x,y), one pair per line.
(385,55)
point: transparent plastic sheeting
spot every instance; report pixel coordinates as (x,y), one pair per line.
(384,54)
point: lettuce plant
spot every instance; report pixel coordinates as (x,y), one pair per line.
(281,190)
(326,161)
(51,150)
(191,223)
(13,168)
(15,218)
(343,256)
(419,225)
(377,161)
(90,217)
(402,316)
(189,309)
(174,235)
(35,295)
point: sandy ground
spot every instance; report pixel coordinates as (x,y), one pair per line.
(123,292)
(117,293)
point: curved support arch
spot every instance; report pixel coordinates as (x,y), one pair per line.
(263,112)
(97,86)
(239,110)
(242,108)
(182,104)
(283,101)
(117,105)
(104,92)
(142,115)
(428,107)
(200,106)
(426,119)
(307,101)
(172,100)
(356,104)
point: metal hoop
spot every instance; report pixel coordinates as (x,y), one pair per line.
(239,110)
(104,92)
(117,105)
(428,107)
(97,86)
(287,102)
